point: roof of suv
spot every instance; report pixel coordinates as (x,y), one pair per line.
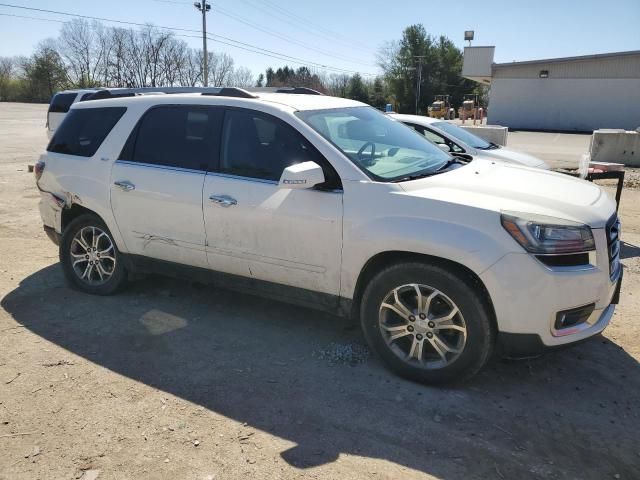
(292,101)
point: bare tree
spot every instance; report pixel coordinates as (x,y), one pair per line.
(241,77)
(338,84)
(220,68)
(80,46)
(7,71)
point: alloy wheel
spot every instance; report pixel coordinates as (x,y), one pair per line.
(422,326)
(93,256)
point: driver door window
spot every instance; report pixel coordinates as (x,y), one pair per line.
(259,146)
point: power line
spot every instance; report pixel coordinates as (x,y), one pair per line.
(176,34)
(305,25)
(320,28)
(225,40)
(287,38)
(273,33)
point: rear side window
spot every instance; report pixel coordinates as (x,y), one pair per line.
(83,130)
(183,136)
(61,102)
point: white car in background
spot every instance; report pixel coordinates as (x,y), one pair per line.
(459,140)
(60,105)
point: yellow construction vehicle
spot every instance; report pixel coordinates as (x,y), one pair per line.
(470,108)
(441,108)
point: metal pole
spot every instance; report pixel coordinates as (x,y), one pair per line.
(204,7)
(419,80)
(419,84)
(204,44)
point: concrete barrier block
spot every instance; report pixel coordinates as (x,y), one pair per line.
(618,146)
(491,133)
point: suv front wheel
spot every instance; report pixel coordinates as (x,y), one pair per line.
(427,323)
(89,256)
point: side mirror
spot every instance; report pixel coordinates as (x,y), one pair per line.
(444,147)
(302,175)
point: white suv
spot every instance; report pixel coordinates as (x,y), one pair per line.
(328,203)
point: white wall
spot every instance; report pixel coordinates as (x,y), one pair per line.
(578,104)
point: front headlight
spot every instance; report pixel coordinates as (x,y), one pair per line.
(547,235)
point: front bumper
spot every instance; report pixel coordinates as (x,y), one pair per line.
(529,345)
(527,295)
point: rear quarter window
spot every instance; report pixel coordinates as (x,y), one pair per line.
(83,130)
(61,102)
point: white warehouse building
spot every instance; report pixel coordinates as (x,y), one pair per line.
(565,94)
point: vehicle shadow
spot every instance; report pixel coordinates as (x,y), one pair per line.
(628,250)
(572,413)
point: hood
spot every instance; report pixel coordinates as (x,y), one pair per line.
(511,156)
(501,187)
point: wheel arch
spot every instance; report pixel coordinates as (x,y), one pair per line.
(71,213)
(385,259)
(74,211)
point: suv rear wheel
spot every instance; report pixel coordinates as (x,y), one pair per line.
(90,258)
(426,323)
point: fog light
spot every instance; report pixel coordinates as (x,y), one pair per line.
(574,316)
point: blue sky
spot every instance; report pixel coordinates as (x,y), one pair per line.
(346,34)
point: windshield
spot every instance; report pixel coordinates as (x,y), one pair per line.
(462,135)
(383,148)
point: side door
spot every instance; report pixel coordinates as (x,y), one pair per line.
(156,184)
(254,229)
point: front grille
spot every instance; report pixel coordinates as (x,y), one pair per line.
(613,246)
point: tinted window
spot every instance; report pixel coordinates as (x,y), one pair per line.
(83,130)
(463,135)
(61,102)
(260,146)
(436,138)
(177,136)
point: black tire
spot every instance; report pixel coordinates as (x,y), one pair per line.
(118,277)
(480,332)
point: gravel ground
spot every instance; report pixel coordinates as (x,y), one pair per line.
(175,381)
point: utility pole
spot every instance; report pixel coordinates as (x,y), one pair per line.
(419,80)
(204,7)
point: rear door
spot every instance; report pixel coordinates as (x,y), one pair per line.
(156,185)
(254,229)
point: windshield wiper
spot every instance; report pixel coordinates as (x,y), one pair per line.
(416,176)
(491,146)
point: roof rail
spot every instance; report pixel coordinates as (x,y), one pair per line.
(290,90)
(229,92)
(104,93)
(118,92)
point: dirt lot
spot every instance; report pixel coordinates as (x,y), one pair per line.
(176,381)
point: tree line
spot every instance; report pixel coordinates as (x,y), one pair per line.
(88,54)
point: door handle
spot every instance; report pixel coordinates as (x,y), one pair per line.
(125,185)
(223,200)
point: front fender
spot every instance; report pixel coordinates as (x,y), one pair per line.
(467,245)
